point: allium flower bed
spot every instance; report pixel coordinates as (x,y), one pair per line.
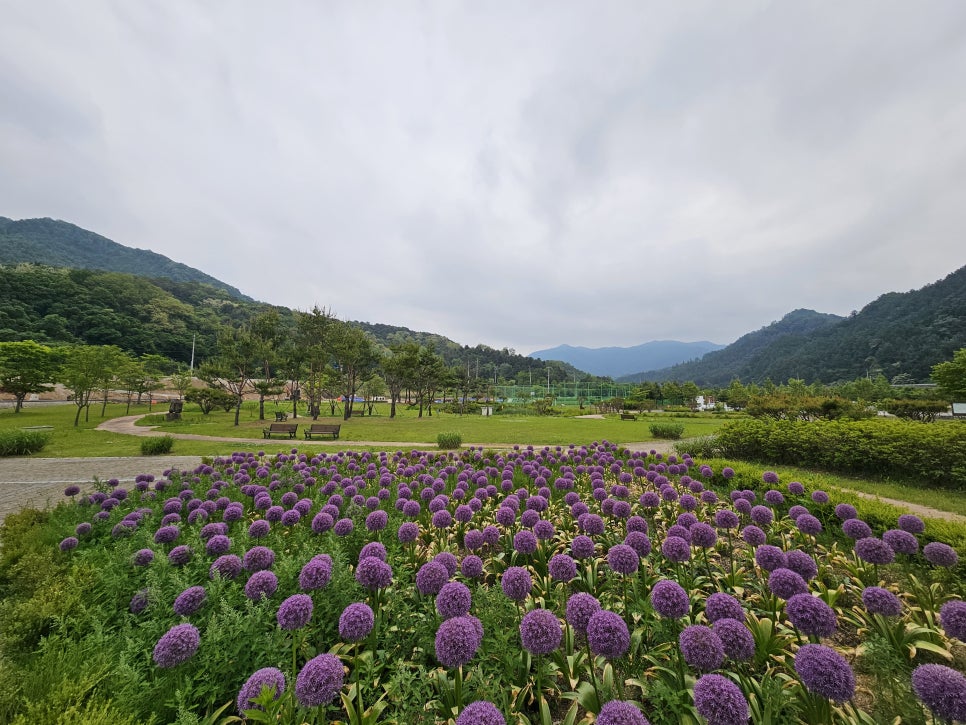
(556,584)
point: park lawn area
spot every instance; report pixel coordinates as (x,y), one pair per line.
(407,427)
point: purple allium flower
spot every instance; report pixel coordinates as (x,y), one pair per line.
(676,549)
(825,672)
(453,600)
(881,601)
(681,531)
(820,497)
(796,488)
(844,511)
(442,519)
(320,681)
(190,601)
(912,524)
(808,524)
(607,634)
(176,646)
(902,542)
(762,515)
(295,612)
(770,557)
(544,530)
(582,547)
(472,567)
(769,477)
(795,511)
(261,584)
(753,536)
(322,522)
(720,701)
(785,583)
(180,555)
(218,544)
(377,520)
(259,529)
(525,542)
(516,583)
(720,606)
(344,527)
(373,573)
(139,602)
(874,551)
(743,507)
(940,554)
(266,677)
(316,573)
(457,640)
(580,608)
(726,519)
(623,559)
(258,558)
(292,517)
(356,622)
(83,528)
(431,577)
(227,566)
(669,599)
(481,712)
(703,535)
(802,564)
(540,632)
(856,529)
(408,532)
(473,539)
(166,534)
(562,568)
(736,638)
(952,616)
(620,712)
(650,499)
(811,616)
(448,560)
(941,689)
(143,557)
(701,647)
(373,548)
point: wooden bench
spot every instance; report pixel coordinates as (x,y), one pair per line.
(280,416)
(331,429)
(628,416)
(288,429)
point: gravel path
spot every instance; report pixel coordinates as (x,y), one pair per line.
(40,482)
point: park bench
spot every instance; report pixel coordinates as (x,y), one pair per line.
(288,429)
(331,429)
(280,416)
(628,416)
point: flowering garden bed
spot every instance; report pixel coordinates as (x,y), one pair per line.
(567,584)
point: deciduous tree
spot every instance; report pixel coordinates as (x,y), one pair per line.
(26,368)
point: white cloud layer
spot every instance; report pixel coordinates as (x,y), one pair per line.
(513,174)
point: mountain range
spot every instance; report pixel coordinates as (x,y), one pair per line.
(619,361)
(900,335)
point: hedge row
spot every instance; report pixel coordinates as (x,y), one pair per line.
(934,453)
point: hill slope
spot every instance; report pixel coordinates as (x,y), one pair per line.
(616,361)
(60,244)
(899,334)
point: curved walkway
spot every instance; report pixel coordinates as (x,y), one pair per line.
(40,482)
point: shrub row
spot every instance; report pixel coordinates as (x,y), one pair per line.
(156,445)
(933,453)
(670,431)
(22,442)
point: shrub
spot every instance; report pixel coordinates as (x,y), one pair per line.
(671,431)
(156,445)
(22,442)
(448,441)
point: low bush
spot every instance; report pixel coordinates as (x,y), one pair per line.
(671,431)
(934,453)
(156,445)
(22,442)
(449,441)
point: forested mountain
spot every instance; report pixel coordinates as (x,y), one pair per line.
(164,317)
(901,335)
(616,361)
(60,244)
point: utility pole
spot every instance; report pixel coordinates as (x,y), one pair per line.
(191,368)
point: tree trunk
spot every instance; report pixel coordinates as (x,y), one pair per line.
(237,409)
(20,397)
(261,406)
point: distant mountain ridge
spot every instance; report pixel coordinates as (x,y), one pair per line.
(57,243)
(900,335)
(619,361)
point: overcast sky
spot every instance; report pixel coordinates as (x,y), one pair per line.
(519,174)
